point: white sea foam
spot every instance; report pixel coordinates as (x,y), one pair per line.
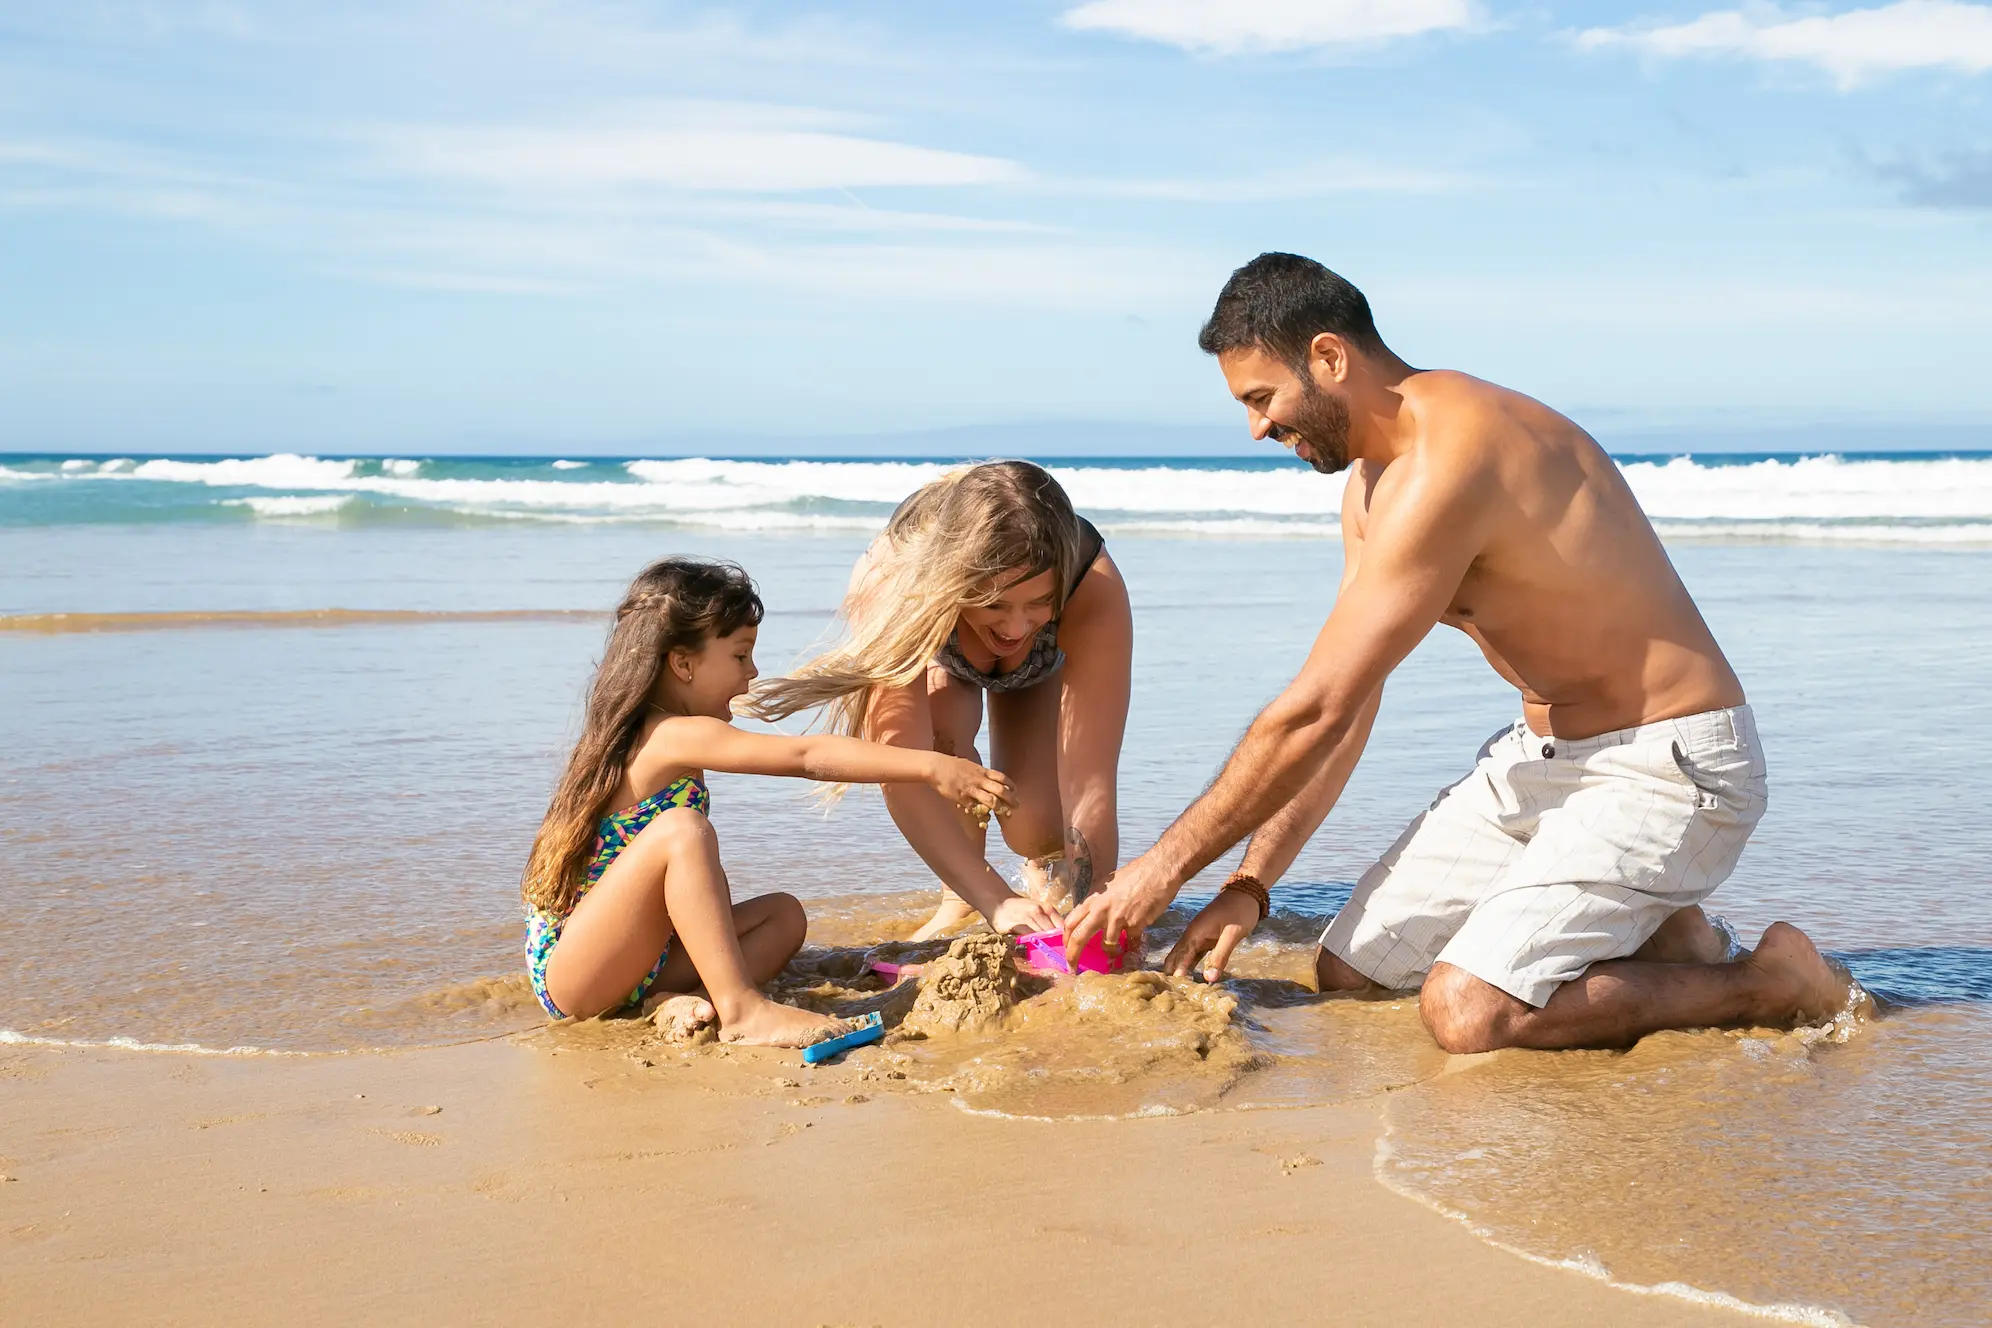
(1811,1316)
(10,1038)
(293,506)
(284,470)
(1824,498)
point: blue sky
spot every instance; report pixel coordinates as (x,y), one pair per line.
(564,226)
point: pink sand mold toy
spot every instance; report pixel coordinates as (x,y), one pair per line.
(1045,951)
(893,972)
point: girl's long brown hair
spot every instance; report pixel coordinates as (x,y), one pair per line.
(675,604)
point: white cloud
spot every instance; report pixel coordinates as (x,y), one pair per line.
(1230,26)
(456,233)
(741,159)
(1852,46)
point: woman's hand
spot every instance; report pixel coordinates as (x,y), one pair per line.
(974,789)
(1217,930)
(1020,914)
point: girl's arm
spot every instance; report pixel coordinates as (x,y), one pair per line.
(1097,635)
(903,718)
(698,742)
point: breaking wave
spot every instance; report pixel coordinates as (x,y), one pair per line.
(1927,500)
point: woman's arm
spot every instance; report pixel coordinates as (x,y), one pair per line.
(902,718)
(1097,635)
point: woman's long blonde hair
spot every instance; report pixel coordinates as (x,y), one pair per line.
(956,542)
(674,604)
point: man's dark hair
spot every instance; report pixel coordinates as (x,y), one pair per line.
(1278,303)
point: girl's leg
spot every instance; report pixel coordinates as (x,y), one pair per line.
(1023,741)
(957,716)
(771,929)
(669,880)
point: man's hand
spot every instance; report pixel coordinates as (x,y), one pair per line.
(1132,898)
(1217,929)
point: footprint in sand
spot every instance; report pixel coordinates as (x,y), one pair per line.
(412,1137)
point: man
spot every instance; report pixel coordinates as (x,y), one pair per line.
(1550,898)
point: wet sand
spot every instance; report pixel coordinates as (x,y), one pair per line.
(509,1181)
(309,842)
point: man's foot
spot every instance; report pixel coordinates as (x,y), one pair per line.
(1802,987)
(951,914)
(1688,937)
(766,1023)
(683,1018)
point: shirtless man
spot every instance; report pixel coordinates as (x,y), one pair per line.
(1549,899)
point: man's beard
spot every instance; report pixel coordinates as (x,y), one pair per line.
(1322,422)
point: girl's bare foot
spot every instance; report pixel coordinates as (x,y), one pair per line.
(683,1018)
(1804,988)
(761,1022)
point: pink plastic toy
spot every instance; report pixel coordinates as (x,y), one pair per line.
(893,972)
(1045,952)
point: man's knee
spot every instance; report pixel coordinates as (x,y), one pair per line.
(1332,973)
(1465,1014)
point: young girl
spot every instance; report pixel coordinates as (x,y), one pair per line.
(624,891)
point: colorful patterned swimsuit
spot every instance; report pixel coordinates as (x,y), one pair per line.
(612,836)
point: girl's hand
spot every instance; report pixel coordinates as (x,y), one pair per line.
(972,788)
(1019,914)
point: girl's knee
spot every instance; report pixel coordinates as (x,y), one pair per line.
(682,830)
(781,911)
(788,911)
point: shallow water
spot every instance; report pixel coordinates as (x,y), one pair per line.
(307,837)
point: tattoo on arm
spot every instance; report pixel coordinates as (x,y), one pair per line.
(1079,854)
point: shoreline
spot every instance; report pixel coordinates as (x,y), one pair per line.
(466,1184)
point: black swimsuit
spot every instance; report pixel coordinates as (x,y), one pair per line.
(1045,657)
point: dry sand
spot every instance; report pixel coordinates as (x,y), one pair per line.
(517,1181)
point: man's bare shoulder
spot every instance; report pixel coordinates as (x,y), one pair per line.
(1468,426)
(1450,404)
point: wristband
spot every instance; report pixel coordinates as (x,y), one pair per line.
(1250,885)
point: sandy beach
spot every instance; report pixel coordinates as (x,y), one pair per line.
(501,1180)
(312,849)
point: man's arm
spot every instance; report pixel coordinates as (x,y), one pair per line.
(1278,842)
(1224,923)
(1429,515)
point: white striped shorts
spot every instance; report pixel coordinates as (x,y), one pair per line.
(1553,854)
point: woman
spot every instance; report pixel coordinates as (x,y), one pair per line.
(986,582)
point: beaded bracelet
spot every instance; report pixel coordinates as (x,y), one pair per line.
(1246,884)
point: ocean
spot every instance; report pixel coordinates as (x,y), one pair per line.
(231,821)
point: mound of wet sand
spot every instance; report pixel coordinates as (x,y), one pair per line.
(1015,1043)
(967,990)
